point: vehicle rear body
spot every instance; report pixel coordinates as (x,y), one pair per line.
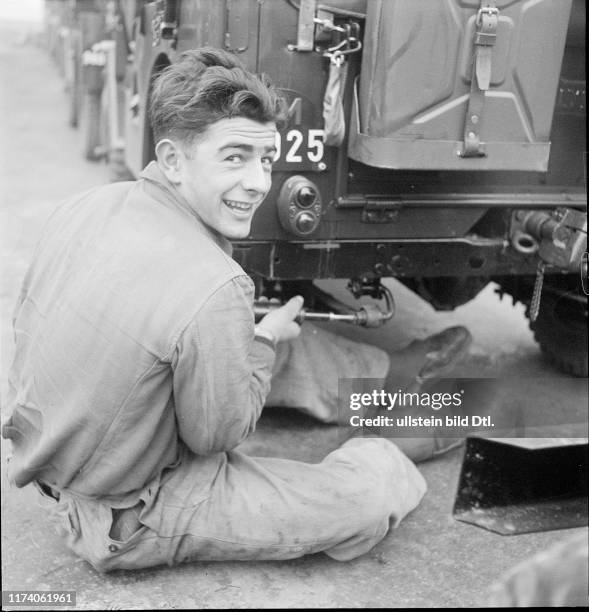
(442,143)
(396,198)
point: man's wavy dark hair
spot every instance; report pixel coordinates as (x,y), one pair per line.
(204,86)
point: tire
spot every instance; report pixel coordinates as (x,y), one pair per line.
(561,330)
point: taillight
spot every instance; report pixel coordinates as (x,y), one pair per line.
(299,206)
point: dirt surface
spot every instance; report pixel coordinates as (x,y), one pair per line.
(430,560)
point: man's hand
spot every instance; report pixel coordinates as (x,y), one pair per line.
(280,322)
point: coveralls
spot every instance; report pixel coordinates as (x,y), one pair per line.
(137,371)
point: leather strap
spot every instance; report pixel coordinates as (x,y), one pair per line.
(484,40)
(333,108)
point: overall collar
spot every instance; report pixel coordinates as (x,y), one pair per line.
(153,174)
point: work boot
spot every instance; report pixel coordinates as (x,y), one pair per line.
(417,368)
(421,364)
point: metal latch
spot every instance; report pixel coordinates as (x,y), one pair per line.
(347,36)
(306,26)
(380,211)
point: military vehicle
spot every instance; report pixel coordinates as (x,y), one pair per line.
(439,142)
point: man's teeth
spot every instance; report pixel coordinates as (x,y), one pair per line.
(245,206)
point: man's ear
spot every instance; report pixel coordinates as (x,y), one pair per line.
(170,159)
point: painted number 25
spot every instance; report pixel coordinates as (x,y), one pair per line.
(295,146)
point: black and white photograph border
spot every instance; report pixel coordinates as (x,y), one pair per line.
(429,560)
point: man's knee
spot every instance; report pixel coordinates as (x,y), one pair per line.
(378,479)
(372,504)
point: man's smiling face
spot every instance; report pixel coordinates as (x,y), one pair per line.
(226,173)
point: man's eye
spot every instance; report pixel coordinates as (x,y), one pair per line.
(268,161)
(235,158)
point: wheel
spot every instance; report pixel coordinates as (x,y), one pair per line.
(561,329)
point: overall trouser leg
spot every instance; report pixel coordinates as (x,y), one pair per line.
(265,508)
(308,369)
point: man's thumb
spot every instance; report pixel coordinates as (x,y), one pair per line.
(294,305)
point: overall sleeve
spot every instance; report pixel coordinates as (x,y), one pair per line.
(221,375)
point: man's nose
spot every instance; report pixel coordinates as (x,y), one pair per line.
(256,177)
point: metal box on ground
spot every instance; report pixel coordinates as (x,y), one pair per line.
(521,485)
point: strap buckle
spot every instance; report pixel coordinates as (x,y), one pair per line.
(492,11)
